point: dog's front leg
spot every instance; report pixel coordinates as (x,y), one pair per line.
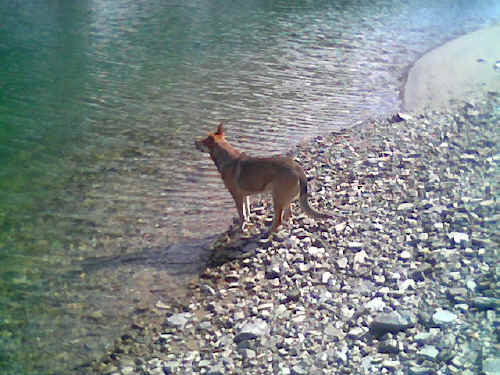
(246,208)
(238,200)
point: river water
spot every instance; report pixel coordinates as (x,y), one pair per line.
(105,205)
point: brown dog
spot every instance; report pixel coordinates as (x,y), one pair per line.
(244,175)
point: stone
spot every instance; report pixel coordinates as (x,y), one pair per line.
(390,364)
(207,290)
(340,227)
(316,252)
(216,370)
(491,366)
(424,337)
(417,370)
(273,271)
(405,255)
(376,304)
(360,257)
(252,330)
(389,346)
(389,322)
(179,320)
(325,277)
(128,370)
(471,285)
(299,370)
(405,206)
(342,262)
(484,303)
(356,332)
(428,352)
(458,238)
(443,317)
(354,245)
(247,354)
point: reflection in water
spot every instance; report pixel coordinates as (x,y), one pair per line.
(104,203)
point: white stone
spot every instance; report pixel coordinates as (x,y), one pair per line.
(376,304)
(458,237)
(405,206)
(325,277)
(471,285)
(443,317)
(342,262)
(179,320)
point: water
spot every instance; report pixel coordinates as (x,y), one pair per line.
(105,205)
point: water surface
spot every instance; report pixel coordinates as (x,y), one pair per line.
(105,204)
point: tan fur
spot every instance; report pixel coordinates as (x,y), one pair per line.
(244,175)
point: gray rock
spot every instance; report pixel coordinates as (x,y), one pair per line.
(389,322)
(484,303)
(179,320)
(459,238)
(207,290)
(342,262)
(424,337)
(416,370)
(216,370)
(299,370)
(405,206)
(128,370)
(252,330)
(273,271)
(170,367)
(491,366)
(354,245)
(247,354)
(376,304)
(428,352)
(356,332)
(389,346)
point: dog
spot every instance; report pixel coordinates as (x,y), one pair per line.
(244,175)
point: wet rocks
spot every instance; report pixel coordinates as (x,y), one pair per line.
(404,281)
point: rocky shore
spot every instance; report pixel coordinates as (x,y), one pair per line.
(405,279)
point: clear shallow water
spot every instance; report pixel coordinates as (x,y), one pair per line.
(104,203)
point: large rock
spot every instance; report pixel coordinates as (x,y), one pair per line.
(390,322)
(252,330)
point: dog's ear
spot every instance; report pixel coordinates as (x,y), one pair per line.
(220,129)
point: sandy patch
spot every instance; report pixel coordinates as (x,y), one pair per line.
(465,67)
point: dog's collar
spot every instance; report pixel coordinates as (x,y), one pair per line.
(221,166)
(229,162)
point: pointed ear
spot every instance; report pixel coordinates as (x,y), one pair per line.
(220,129)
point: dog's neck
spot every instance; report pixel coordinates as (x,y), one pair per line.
(224,156)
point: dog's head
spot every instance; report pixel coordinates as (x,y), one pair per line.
(210,142)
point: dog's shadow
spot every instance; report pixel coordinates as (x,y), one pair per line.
(186,258)
(236,244)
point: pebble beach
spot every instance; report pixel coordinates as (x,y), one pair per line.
(404,279)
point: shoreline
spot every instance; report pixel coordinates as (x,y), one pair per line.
(406,282)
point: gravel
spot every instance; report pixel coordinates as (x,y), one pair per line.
(405,279)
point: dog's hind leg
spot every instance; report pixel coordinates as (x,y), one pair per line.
(278,212)
(287,213)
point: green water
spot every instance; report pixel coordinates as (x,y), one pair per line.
(99,104)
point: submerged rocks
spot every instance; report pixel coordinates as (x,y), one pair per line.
(405,280)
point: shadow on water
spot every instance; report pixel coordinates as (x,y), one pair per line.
(184,259)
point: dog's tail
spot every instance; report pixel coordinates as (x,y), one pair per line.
(303,199)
